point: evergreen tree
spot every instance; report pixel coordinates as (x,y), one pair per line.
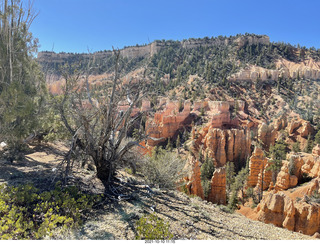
(207,169)
(296,147)
(230,173)
(317,138)
(310,144)
(21,80)
(277,153)
(238,185)
(178,142)
(169,145)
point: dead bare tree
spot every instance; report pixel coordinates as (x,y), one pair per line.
(99,121)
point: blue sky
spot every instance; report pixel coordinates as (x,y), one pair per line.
(79,25)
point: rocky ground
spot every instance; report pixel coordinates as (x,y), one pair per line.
(188,217)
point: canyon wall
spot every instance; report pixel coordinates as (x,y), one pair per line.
(285,209)
(223,140)
(294,130)
(300,216)
(167,122)
(308,69)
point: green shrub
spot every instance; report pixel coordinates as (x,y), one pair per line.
(296,147)
(150,227)
(128,171)
(163,168)
(27,214)
(226,209)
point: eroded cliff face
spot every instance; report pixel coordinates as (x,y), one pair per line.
(227,138)
(294,130)
(301,216)
(217,192)
(225,145)
(258,170)
(294,169)
(309,69)
(286,209)
(223,140)
(316,150)
(297,166)
(193,180)
(168,122)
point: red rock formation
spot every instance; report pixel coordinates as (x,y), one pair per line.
(225,145)
(284,179)
(218,187)
(257,163)
(271,209)
(166,123)
(221,139)
(220,114)
(305,163)
(298,130)
(300,164)
(264,177)
(217,193)
(314,187)
(280,210)
(194,186)
(267,134)
(316,150)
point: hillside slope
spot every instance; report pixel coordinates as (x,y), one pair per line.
(189,218)
(239,99)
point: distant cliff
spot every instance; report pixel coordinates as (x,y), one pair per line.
(149,50)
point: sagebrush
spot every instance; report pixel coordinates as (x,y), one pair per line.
(163,169)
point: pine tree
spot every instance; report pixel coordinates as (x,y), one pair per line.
(178,142)
(317,138)
(207,169)
(230,173)
(310,144)
(169,145)
(21,81)
(238,185)
(296,147)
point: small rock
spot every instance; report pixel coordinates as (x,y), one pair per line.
(316,235)
(3,144)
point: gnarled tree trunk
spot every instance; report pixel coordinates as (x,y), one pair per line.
(99,131)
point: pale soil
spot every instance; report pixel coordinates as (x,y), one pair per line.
(39,166)
(189,217)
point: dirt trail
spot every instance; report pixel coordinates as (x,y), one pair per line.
(38,167)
